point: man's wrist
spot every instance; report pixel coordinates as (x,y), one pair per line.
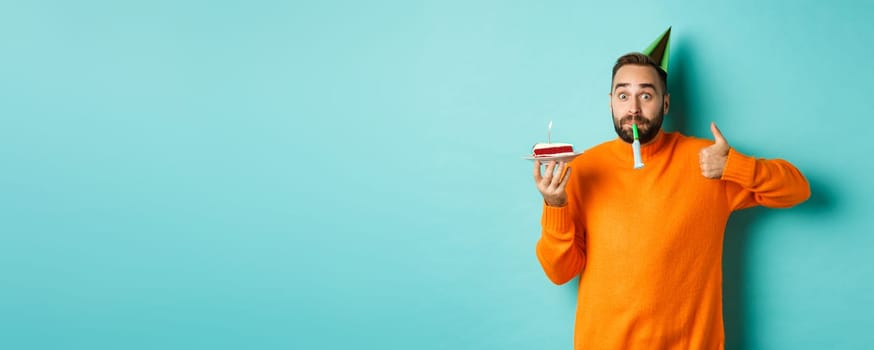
(557,205)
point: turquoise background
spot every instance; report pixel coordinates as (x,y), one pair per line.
(330,175)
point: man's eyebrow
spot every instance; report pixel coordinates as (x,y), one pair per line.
(643,85)
(647,85)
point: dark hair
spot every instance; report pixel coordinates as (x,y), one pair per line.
(637,58)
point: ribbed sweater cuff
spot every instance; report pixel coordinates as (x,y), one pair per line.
(557,220)
(739,168)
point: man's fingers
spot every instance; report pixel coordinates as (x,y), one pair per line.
(537,175)
(556,180)
(547,173)
(717,135)
(565,179)
(554,177)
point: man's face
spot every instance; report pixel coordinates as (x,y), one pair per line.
(637,97)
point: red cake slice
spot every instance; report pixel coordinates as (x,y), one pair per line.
(552,149)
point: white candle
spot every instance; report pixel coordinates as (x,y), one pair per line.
(549,132)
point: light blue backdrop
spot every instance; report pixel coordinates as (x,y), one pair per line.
(332,175)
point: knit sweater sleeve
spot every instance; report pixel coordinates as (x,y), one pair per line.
(560,249)
(773,183)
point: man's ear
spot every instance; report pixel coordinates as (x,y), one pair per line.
(667,105)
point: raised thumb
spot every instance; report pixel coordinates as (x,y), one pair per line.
(717,135)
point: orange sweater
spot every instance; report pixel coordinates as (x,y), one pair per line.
(647,243)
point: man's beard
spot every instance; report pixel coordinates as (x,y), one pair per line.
(646,129)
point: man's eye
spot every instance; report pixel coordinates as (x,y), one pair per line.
(646,97)
(623,96)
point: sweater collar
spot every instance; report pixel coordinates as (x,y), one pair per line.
(623,149)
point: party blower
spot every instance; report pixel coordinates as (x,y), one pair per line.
(635,148)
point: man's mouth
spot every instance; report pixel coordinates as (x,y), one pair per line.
(628,121)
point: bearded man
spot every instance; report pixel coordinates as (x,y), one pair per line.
(647,243)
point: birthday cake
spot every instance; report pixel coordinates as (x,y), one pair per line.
(552,149)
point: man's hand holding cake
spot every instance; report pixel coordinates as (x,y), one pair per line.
(551,183)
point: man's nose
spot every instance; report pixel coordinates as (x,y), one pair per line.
(635,107)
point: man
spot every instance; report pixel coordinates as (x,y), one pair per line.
(647,243)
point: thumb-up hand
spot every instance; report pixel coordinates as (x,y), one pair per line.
(712,158)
